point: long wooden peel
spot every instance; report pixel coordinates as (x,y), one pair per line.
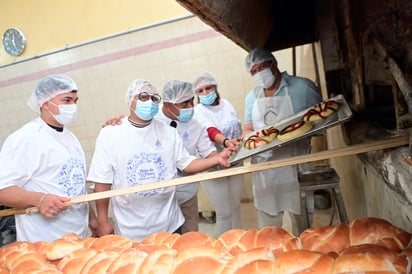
(323,155)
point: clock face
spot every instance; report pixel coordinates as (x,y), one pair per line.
(14,41)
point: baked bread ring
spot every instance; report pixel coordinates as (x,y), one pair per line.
(260,138)
(321,111)
(294,130)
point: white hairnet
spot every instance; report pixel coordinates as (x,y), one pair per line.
(203,79)
(136,87)
(48,88)
(176,91)
(257,56)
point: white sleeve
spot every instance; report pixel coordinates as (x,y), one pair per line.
(101,170)
(17,162)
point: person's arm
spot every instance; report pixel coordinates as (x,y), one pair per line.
(93,226)
(216,136)
(114,121)
(199,165)
(49,205)
(102,209)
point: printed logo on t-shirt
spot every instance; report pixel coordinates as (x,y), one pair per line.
(185,136)
(72,178)
(145,168)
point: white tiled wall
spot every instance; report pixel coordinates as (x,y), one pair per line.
(177,50)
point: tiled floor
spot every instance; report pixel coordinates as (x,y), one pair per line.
(249,219)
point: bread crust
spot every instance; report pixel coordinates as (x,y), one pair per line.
(260,138)
(294,130)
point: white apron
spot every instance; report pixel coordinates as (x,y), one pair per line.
(275,190)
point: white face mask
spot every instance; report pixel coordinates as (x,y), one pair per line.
(67,114)
(264,78)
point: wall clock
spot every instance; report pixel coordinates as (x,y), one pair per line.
(14,41)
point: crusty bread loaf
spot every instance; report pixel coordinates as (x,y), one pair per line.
(161,238)
(303,261)
(278,239)
(326,239)
(195,239)
(100,263)
(78,255)
(109,241)
(331,249)
(159,261)
(200,259)
(130,256)
(378,231)
(256,260)
(370,258)
(62,247)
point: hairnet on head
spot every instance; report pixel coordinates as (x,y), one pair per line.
(257,56)
(176,91)
(136,87)
(203,79)
(48,88)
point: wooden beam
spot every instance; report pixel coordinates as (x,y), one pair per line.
(323,155)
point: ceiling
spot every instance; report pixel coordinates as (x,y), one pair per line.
(272,24)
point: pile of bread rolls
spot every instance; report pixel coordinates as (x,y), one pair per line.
(366,245)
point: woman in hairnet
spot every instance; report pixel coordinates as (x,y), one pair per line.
(224,128)
(43,165)
(276,96)
(141,151)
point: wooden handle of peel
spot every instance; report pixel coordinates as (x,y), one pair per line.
(15,211)
(323,155)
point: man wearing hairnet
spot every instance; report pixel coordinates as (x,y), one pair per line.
(177,111)
(142,150)
(276,96)
(43,165)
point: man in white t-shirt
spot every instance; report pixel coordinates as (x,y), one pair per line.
(43,165)
(142,150)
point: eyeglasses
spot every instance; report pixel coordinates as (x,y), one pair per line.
(144,96)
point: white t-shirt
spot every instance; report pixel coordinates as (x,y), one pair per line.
(128,156)
(41,159)
(223,117)
(197,143)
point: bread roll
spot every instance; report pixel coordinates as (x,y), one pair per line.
(12,247)
(369,258)
(100,263)
(131,257)
(378,231)
(195,239)
(110,241)
(62,247)
(159,261)
(303,261)
(94,264)
(276,238)
(237,241)
(33,266)
(74,263)
(200,259)
(326,239)
(161,238)
(257,260)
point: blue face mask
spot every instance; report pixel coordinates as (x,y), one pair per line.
(185,114)
(146,110)
(209,99)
